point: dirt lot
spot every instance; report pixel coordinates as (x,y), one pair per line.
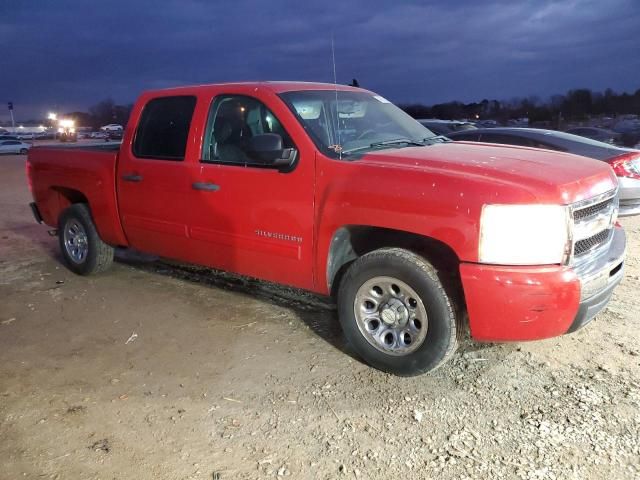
(155,371)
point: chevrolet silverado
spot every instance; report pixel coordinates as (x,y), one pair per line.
(335,190)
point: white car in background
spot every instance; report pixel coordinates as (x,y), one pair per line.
(14,146)
(112,127)
(26,136)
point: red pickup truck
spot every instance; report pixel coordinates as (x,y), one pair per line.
(336,190)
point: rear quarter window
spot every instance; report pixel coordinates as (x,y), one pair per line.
(163,128)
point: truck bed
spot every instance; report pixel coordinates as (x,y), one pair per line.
(60,175)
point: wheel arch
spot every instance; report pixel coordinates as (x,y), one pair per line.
(69,196)
(350,242)
(107,223)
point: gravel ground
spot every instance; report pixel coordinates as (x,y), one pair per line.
(155,370)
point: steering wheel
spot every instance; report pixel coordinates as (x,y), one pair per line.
(365,133)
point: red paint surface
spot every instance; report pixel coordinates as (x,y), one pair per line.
(436,191)
(519,303)
(56,172)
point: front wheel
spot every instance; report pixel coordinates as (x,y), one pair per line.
(396,313)
(23,151)
(82,248)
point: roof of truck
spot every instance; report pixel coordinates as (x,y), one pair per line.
(274,86)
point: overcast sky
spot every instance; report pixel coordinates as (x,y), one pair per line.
(68,55)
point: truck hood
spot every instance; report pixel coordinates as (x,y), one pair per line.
(548,176)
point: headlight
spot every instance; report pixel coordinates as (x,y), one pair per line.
(524,234)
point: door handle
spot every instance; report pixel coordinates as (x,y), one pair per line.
(132,177)
(210,187)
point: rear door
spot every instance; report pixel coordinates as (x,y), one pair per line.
(248,217)
(154,177)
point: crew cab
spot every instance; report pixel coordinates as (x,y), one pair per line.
(335,190)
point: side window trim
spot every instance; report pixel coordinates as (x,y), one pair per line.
(205,153)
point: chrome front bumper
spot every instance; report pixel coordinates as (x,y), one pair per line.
(598,278)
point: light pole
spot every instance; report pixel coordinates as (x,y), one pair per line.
(13,123)
(52,118)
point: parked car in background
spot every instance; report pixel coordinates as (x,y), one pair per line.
(114,135)
(445,127)
(102,135)
(487,124)
(518,122)
(599,134)
(624,161)
(627,125)
(26,136)
(112,127)
(8,137)
(14,146)
(629,130)
(83,132)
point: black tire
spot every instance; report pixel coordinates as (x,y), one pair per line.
(23,151)
(442,330)
(99,256)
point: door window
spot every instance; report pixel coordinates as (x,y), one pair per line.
(163,128)
(233,121)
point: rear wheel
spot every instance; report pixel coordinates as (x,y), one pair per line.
(82,248)
(396,314)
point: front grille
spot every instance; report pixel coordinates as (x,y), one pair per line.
(586,245)
(592,210)
(592,224)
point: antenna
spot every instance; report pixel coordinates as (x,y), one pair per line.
(335,83)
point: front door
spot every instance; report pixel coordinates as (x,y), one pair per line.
(249,217)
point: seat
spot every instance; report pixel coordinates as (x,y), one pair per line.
(230,133)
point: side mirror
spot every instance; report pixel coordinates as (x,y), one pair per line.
(267,149)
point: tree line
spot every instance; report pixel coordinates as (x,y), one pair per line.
(102,113)
(575,105)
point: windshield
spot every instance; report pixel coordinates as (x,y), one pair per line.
(361,122)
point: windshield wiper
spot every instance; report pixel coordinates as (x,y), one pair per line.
(408,141)
(437,139)
(384,143)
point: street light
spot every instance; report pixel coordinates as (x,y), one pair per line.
(52,120)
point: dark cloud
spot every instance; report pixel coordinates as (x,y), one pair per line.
(70,54)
